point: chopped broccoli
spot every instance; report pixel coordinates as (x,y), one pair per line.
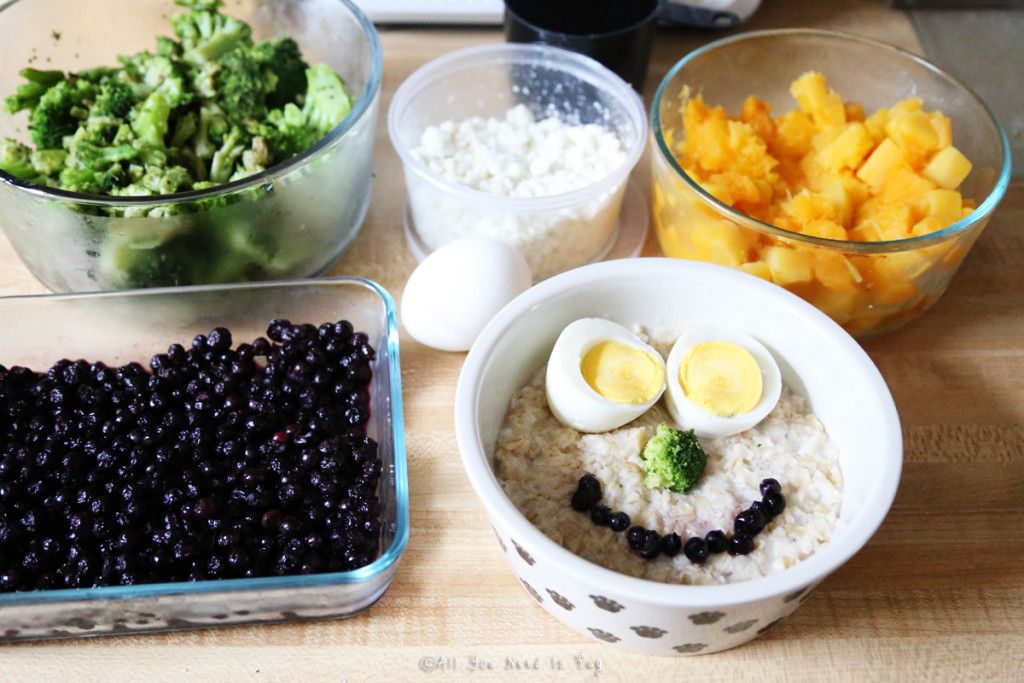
(16,160)
(673,459)
(150,120)
(206,106)
(205,35)
(327,103)
(48,162)
(59,112)
(28,94)
(241,84)
(225,158)
(115,100)
(286,68)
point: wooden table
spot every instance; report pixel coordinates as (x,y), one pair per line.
(937,593)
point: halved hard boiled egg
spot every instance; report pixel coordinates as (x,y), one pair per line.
(720,382)
(601,376)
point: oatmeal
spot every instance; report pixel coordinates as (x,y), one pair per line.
(539,463)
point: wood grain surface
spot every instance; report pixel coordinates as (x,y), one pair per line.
(938,593)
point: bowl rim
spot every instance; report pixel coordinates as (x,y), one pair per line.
(384,562)
(983,210)
(511,53)
(499,507)
(359,109)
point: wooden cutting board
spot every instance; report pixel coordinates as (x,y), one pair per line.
(938,593)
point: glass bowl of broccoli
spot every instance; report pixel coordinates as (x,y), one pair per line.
(184,142)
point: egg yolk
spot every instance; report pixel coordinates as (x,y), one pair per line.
(721,377)
(622,373)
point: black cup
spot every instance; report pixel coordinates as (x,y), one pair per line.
(617,33)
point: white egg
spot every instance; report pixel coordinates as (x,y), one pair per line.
(707,424)
(457,289)
(637,379)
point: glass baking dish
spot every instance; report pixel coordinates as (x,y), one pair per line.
(119,327)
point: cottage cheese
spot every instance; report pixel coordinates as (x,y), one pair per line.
(518,155)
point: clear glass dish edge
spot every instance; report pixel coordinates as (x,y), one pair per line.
(379,566)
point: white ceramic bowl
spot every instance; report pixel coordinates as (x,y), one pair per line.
(817,358)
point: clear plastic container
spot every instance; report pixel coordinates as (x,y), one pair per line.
(878,286)
(131,326)
(555,232)
(292,220)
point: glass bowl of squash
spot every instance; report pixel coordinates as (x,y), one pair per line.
(852,173)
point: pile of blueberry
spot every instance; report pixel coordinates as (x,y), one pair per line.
(649,544)
(218,462)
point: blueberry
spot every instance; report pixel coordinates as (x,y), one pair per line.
(696,550)
(740,544)
(636,536)
(619,521)
(717,541)
(178,468)
(600,515)
(774,503)
(770,485)
(650,547)
(671,544)
(587,494)
(748,523)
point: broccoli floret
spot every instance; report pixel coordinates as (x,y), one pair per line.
(673,459)
(287,70)
(157,181)
(16,160)
(213,126)
(204,108)
(225,158)
(49,162)
(60,111)
(114,100)
(206,35)
(28,94)
(286,132)
(327,104)
(150,120)
(241,85)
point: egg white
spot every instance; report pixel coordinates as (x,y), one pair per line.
(689,415)
(572,401)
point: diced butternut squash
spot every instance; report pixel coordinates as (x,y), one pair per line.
(943,127)
(876,124)
(793,133)
(758,115)
(758,268)
(815,97)
(854,111)
(886,157)
(930,224)
(722,242)
(808,206)
(942,203)
(849,148)
(788,266)
(948,168)
(836,194)
(825,170)
(825,228)
(913,132)
(902,184)
(834,271)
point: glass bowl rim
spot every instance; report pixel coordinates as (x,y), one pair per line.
(511,53)
(379,566)
(981,212)
(359,109)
